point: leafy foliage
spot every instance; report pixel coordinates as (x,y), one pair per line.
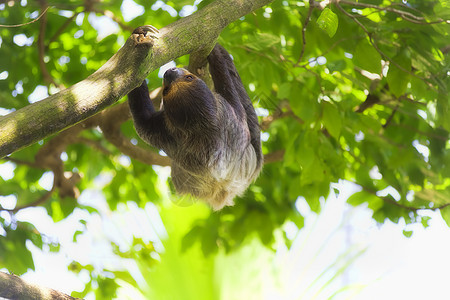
(359,94)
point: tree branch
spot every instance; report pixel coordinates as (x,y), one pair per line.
(274,156)
(370,101)
(14,287)
(305,24)
(28,23)
(388,199)
(37,202)
(110,127)
(198,64)
(23,162)
(119,75)
(407,16)
(267,121)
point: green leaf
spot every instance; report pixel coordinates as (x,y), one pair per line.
(303,103)
(55,211)
(262,41)
(314,204)
(407,233)
(443,108)
(328,22)
(190,238)
(396,77)
(338,65)
(424,220)
(374,202)
(284,91)
(367,58)
(14,255)
(445,213)
(107,288)
(331,119)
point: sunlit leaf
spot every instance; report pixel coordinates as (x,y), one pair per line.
(328,22)
(367,57)
(398,76)
(331,119)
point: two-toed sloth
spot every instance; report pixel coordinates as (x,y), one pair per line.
(212,137)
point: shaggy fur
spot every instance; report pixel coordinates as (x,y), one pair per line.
(213,138)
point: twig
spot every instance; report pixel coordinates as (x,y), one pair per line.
(405,97)
(31,22)
(305,24)
(41,49)
(110,122)
(35,203)
(22,162)
(403,14)
(95,144)
(274,156)
(391,116)
(115,136)
(396,203)
(266,121)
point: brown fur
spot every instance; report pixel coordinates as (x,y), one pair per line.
(213,138)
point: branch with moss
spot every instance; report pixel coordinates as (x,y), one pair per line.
(14,287)
(119,75)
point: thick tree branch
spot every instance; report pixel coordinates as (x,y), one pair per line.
(119,75)
(198,64)
(13,287)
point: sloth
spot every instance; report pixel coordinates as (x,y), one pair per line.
(212,137)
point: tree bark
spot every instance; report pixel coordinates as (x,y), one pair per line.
(13,287)
(119,75)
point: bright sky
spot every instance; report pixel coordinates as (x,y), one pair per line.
(393,266)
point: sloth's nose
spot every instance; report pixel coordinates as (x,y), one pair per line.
(171,75)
